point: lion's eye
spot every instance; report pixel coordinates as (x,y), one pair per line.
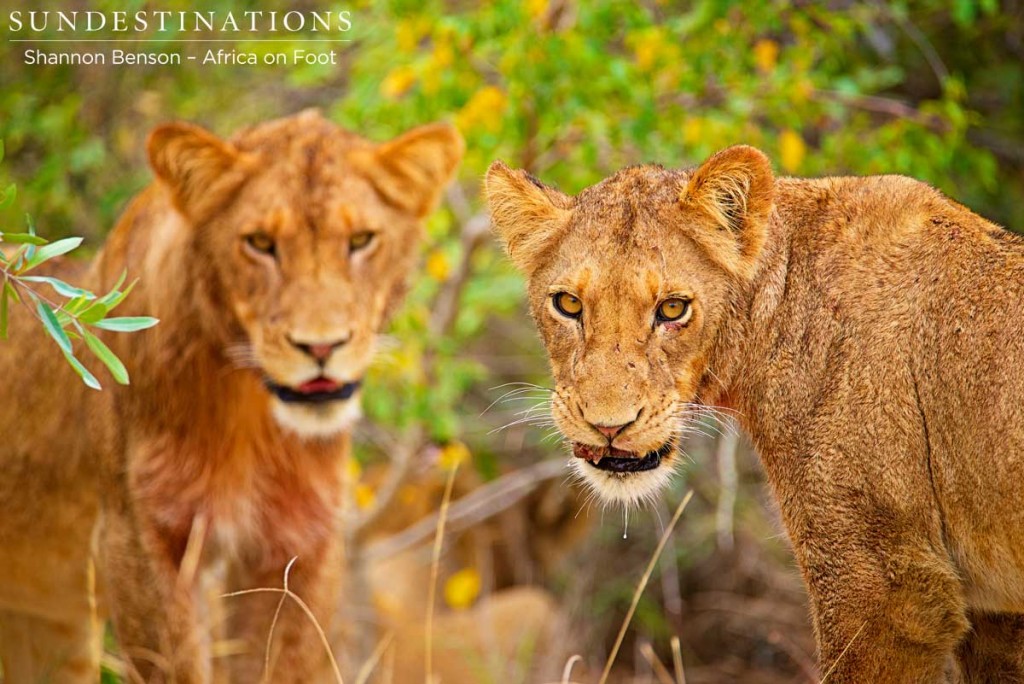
(675,310)
(568,305)
(360,240)
(261,243)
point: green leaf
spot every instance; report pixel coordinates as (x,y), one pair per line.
(18,258)
(127,323)
(52,326)
(88,378)
(95,313)
(104,354)
(1,150)
(77,304)
(7,199)
(54,249)
(22,238)
(31,252)
(120,280)
(60,286)
(113,298)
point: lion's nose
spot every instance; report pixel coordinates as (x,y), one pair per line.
(320,350)
(611,431)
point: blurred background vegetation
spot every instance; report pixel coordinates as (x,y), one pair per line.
(572,91)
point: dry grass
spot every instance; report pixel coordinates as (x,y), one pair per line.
(371,663)
(435,563)
(643,585)
(288,593)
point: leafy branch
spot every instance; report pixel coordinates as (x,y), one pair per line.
(71,313)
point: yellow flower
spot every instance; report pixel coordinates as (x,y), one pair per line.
(645,53)
(443,54)
(365,496)
(437,266)
(484,110)
(407,36)
(766,55)
(693,130)
(398,82)
(462,588)
(453,454)
(792,150)
(352,469)
(537,9)
(650,47)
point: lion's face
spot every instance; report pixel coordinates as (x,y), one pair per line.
(629,284)
(308,247)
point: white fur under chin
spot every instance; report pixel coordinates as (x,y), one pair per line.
(317,421)
(628,489)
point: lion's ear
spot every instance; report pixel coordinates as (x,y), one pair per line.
(412,170)
(201,170)
(735,189)
(526,214)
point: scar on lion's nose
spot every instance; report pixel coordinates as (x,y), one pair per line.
(320,350)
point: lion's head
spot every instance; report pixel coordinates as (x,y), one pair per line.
(630,283)
(305,234)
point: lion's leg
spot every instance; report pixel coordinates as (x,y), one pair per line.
(993,652)
(297,652)
(154,612)
(37,649)
(50,629)
(884,613)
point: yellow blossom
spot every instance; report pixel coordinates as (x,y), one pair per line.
(766,55)
(453,454)
(437,265)
(407,36)
(484,110)
(353,469)
(365,496)
(462,588)
(443,54)
(537,9)
(398,82)
(792,150)
(693,130)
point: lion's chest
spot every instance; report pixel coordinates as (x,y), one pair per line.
(242,498)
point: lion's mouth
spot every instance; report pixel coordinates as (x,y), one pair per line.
(618,461)
(319,390)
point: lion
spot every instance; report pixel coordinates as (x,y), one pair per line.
(272,261)
(867,332)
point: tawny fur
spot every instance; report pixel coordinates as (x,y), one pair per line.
(867,331)
(102,493)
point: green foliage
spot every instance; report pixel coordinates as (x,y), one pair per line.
(571,91)
(63,320)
